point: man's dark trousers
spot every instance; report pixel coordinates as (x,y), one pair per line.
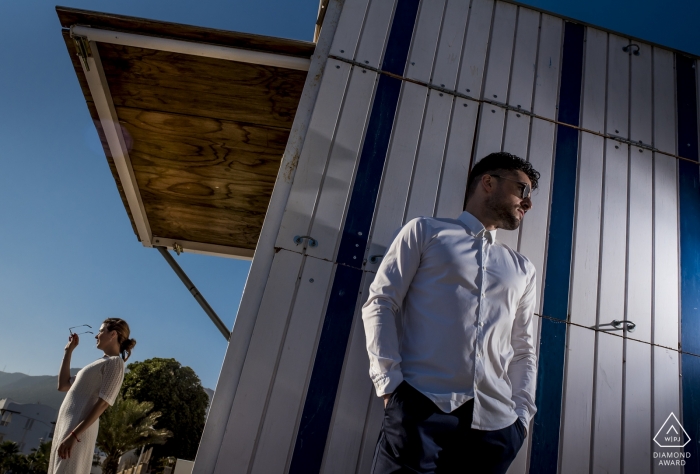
(418,437)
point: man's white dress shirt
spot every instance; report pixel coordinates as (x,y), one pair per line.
(451,312)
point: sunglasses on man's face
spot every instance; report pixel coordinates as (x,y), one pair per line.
(525,189)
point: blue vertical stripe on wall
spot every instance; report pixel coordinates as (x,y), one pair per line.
(689,201)
(550,374)
(323,386)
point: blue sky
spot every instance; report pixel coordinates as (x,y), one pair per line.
(68,255)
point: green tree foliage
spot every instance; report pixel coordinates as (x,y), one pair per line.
(127,425)
(12,460)
(177,393)
(8,450)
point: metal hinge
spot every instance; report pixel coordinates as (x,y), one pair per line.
(82,44)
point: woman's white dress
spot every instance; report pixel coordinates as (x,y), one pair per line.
(101,379)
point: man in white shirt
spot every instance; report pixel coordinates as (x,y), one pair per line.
(449,326)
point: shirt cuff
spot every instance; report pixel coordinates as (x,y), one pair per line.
(523,416)
(386,383)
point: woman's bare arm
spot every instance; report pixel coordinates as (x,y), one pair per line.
(65,448)
(64,373)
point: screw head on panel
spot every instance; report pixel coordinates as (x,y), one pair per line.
(311,280)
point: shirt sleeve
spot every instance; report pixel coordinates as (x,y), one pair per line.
(386,295)
(522,370)
(112,377)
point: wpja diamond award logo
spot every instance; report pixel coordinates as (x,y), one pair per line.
(671,435)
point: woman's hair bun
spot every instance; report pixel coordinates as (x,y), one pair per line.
(128,344)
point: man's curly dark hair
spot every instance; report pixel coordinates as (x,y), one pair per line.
(500,161)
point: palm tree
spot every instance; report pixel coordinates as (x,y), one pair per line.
(39,457)
(8,451)
(125,426)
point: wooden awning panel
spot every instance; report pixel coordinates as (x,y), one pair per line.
(205,136)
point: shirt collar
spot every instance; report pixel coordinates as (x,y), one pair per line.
(476,228)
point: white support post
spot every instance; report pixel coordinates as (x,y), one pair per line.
(99,89)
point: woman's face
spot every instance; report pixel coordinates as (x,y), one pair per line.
(105,337)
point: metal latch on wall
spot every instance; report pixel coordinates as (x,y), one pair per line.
(82,44)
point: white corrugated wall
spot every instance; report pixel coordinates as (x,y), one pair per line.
(480,76)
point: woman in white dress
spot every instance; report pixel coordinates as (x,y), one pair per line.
(90,392)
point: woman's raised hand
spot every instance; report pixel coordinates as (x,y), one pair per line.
(73,341)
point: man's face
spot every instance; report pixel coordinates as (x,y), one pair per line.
(506,201)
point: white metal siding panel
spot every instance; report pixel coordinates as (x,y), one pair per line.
(607,423)
(637,429)
(611,305)
(337,182)
(524,59)
(425,39)
(517,133)
(293,368)
(261,363)
(548,67)
(578,401)
(428,162)
(639,247)
(500,52)
(373,425)
(314,155)
(426,175)
(666,254)
(475,47)
(452,36)
(595,70)
(453,186)
(638,361)
(347,33)
(641,76)
(617,110)
(664,101)
(490,133)
(375,32)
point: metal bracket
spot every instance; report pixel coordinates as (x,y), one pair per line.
(629,49)
(195,292)
(298,239)
(629,325)
(375,258)
(82,44)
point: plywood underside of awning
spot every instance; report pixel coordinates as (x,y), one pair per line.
(205,136)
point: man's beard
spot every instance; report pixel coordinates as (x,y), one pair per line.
(504,215)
